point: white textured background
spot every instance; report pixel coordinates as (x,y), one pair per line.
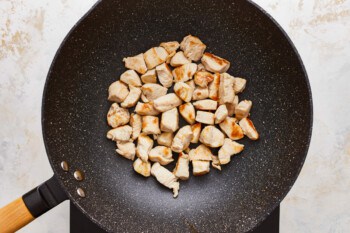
(31,31)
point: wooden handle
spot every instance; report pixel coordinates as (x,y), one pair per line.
(14,216)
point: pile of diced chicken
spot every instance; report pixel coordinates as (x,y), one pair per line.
(204,95)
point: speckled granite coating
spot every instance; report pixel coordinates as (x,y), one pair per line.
(234,200)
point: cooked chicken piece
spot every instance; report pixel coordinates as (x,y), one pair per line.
(166,178)
(153,91)
(231,128)
(196,130)
(214,87)
(167,102)
(126,149)
(240,84)
(143,168)
(183,91)
(216,162)
(201,67)
(205,104)
(191,84)
(144,98)
(144,146)
(202,153)
(170,120)
(212,137)
(130,77)
(188,113)
(221,114)
(146,109)
(214,63)
(117,92)
(155,56)
(226,93)
(242,109)
(132,98)
(149,77)
(136,63)
(249,128)
(205,117)
(117,116)
(182,139)
(170,46)
(169,57)
(165,139)
(136,124)
(181,169)
(150,125)
(161,154)
(193,47)
(200,93)
(185,72)
(179,59)
(200,167)
(203,78)
(120,134)
(231,106)
(228,149)
(165,76)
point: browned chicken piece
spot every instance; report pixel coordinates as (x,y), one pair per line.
(205,117)
(117,116)
(183,91)
(169,57)
(191,84)
(155,56)
(231,106)
(216,162)
(181,169)
(205,104)
(228,149)
(231,128)
(200,93)
(131,78)
(153,91)
(188,113)
(214,87)
(144,98)
(170,46)
(182,139)
(203,78)
(185,72)
(212,137)
(200,167)
(193,47)
(196,130)
(166,178)
(240,84)
(136,63)
(164,74)
(202,152)
(117,92)
(161,154)
(136,124)
(150,125)
(165,139)
(242,109)
(249,128)
(221,114)
(146,109)
(126,149)
(132,98)
(170,120)
(144,146)
(167,102)
(120,134)
(179,59)
(143,168)
(149,77)
(226,93)
(201,67)
(214,63)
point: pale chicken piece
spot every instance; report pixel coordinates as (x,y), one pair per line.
(212,137)
(131,78)
(214,63)
(193,47)
(165,139)
(166,178)
(164,74)
(170,46)
(202,152)
(201,67)
(161,154)
(242,109)
(196,130)
(136,63)
(117,92)
(120,134)
(221,114)
(205,117)
(169,57)
(144,98)
(146,109)
(153,91)
(167,102)
(231,106)
(132,98)
(150,125)
(117,116)
(155,56)
(203,78)
(231,128)
(136,124)
(182,139)
(216,162)
(226,93)
(142,167)
(181,169)
(200,167)
(170,120)
(126,149)
(249,128)
(240,84)
(200,93)
(184,91)
(191,84)
(144,146)
(188,113)
(179,59)
(149,77)
(228,149)
(214,87)
(205,104)
(185,72)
